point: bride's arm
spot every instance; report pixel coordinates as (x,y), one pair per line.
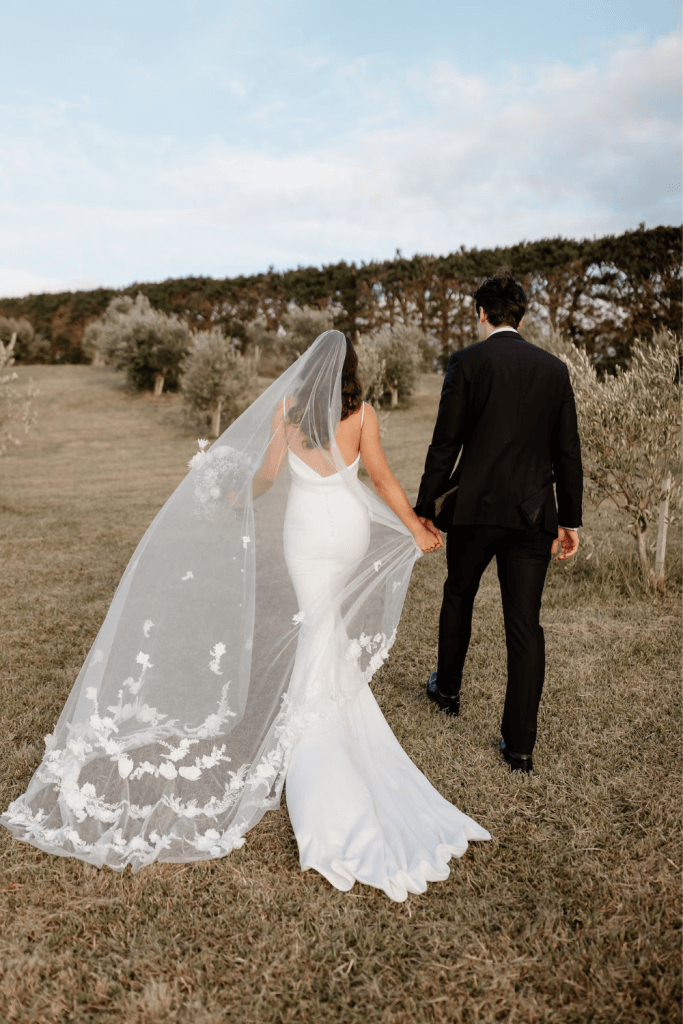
(269,470)
(387,486)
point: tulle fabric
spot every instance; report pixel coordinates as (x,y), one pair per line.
(232,634)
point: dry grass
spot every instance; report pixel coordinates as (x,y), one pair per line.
(570,914)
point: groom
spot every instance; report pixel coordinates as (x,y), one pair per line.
(506,429)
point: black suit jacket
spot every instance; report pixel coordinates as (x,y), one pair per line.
(507,408)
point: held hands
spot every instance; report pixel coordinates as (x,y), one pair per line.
(567,541)
(427,536)
(429,539)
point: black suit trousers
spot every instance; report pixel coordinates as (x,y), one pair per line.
(522,558)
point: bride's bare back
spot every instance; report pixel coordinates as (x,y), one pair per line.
(357,434)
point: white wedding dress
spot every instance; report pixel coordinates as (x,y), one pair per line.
(359,807)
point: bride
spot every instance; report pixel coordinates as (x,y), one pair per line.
(236,656)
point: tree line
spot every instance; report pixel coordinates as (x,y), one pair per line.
(629,421)
(601,294)
(610,310)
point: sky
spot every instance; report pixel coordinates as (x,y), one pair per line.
(148,140)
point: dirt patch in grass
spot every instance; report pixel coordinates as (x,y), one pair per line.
(570,914)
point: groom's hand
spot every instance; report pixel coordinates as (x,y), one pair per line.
(567,541)
(432,529)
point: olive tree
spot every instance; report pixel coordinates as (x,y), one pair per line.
(552,340)
(302,326)
(258,339)
(630,427)
(400,350)
(148,344)
(29,347)
(215,379)
(17,414)
(103,338)
(371,370)
(92,345)
(429,347)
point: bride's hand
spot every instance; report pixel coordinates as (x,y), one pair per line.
(426,540)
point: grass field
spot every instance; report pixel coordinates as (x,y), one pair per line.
(570,914)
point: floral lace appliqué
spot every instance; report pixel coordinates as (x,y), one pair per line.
(217,473)
(371,650)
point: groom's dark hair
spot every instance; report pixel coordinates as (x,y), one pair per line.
(502,298)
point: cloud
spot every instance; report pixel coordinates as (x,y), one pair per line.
(15,283)
(438,159)
(592,143)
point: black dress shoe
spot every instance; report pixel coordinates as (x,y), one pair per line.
(517,762)
(451,705)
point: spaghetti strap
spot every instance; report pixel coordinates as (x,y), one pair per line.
(362,415)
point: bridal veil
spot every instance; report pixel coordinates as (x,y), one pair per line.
(176,737)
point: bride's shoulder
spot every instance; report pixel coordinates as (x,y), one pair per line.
(370,423)
(283,406)
(368,413)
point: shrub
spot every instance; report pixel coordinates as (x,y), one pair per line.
(148,344)
(630,427)
(215,379)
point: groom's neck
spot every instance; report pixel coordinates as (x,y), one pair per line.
(486,329)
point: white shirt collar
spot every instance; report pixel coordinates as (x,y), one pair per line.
(504,329)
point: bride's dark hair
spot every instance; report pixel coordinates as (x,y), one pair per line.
(310,410)
(352,389)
